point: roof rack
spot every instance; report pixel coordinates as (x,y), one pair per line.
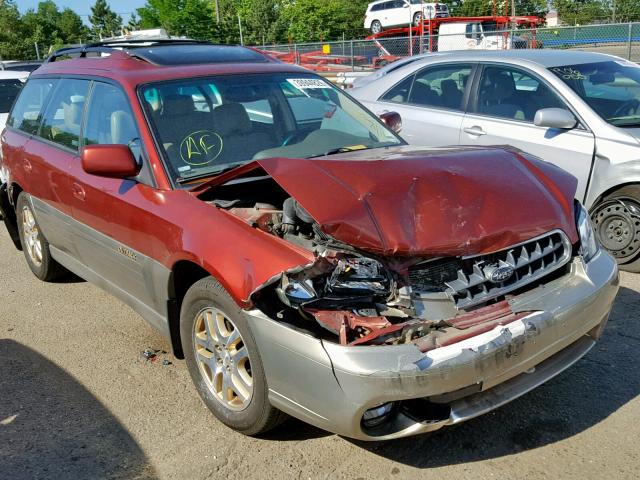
(108,46)
(146,49)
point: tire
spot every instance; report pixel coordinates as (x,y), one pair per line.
(417,19)
(376,27)
(616,220)
(34,245)
(214,332)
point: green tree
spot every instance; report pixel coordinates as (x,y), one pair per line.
(475,8)
(260,21)
(580,11)
(14,41)
(312,20)
(133,23)
(105,22)
(192,18)
(624,10)
(71,28)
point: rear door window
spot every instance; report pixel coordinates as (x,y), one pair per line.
(27,111)
(63,116)
(436,87)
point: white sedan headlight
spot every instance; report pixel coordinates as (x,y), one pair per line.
(589,245)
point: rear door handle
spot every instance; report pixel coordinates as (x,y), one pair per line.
(78,192)
(475,130)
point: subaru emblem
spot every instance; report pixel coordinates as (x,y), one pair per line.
(499,274)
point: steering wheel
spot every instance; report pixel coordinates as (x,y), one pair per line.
(293,136)
(628,108)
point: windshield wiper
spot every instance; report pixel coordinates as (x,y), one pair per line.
(339,150)
(209,174)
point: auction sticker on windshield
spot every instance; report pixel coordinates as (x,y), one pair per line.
(305,83)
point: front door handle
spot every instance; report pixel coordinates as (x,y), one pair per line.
(78,192)
(27,166)
(475,130)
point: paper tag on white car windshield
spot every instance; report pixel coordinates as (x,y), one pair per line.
(306,83)
(626,63)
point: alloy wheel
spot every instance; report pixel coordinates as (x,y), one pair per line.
(31,233)
(223,359)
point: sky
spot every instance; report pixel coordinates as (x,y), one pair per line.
(83,7)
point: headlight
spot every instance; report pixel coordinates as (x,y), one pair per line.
(588,243)
(359,276)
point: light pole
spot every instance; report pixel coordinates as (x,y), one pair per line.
(217,3)
(240,27)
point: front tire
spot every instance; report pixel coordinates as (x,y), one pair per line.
(616,220)
(376,27)
(223,359)
(417,19)
(34,245)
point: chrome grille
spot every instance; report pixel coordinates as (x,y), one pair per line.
(467,279)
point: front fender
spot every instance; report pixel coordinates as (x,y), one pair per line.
(608,176)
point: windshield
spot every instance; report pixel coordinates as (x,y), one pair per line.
(207,125)
(611,88)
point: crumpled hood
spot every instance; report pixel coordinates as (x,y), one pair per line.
(457,201)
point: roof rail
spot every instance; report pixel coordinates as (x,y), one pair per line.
(108,46)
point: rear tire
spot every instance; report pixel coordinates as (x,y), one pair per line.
(376,27)
(34,245)
(417,19)
(616,220)
(223,359)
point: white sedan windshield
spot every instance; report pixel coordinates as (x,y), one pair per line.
(611,88)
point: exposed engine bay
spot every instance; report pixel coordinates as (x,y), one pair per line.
(356,297)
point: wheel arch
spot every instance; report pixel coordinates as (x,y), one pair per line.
(8,199)
(598,197)
(184,273)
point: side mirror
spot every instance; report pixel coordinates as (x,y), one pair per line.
(114,161)
(555,118)
(393,120)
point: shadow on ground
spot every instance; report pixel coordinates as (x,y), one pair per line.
(52,427)
(587,393)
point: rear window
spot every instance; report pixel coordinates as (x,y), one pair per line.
(63,117)
(27,111)
(9,90)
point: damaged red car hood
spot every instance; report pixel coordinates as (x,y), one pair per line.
(407,201)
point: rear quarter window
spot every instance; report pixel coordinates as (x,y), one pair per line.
(27,111)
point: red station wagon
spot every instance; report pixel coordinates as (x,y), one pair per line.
(296,252)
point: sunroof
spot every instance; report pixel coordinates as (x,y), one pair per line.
(197,54)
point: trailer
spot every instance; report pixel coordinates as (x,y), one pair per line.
(491,32)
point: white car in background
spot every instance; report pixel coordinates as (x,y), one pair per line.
(11,83)
(383,14)
(578,110)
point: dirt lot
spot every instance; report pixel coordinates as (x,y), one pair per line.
(78,400)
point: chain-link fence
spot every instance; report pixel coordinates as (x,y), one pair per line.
(622,40)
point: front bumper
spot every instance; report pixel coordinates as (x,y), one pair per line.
(331,386)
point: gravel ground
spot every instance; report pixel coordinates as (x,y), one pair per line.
(78,400)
